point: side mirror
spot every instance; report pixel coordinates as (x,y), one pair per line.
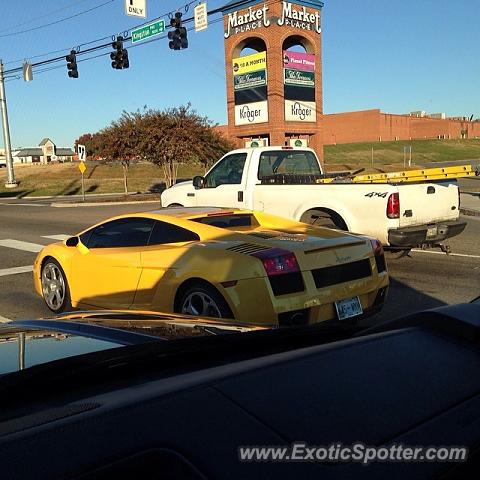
(198,181)
(72,242)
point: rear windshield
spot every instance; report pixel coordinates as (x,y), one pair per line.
(287,162)
(229,221)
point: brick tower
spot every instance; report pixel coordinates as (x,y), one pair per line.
(274,72)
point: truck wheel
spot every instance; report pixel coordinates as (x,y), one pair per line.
(174,205)
(203,300)
(324,218)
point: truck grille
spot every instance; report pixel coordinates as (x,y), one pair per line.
(346,272)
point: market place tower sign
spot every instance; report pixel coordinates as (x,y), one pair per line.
(255,18)
(274,72)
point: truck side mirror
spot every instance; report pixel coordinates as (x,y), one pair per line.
(198,181)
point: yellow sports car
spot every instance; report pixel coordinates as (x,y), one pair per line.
(213,262)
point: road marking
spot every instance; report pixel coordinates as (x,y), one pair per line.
(26,204)
(449,255)
(19,245)
(57,237)
(4,319)
(14,270)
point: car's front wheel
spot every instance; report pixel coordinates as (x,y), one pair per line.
(55,291)
(203,301)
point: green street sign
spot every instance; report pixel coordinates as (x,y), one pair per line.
(147,31)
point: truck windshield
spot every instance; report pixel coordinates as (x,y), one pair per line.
(287,162)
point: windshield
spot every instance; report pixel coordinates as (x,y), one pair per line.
(287,162)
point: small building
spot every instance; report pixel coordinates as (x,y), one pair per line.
(46,152)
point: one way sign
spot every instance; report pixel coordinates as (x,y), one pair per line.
(136,8)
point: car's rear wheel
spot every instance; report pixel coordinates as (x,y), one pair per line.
(202,300)
(55,291)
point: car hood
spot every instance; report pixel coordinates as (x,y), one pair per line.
(27,343)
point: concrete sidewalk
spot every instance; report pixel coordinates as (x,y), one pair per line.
(470,203)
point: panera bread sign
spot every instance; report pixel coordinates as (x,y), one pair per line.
(253,18)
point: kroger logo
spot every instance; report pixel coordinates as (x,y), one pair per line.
(301,112)
(249,114)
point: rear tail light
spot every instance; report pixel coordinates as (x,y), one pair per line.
(376,247)
(393,206)
(379,256)
(278,262)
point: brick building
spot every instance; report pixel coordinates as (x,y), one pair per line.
(375,126)
(274,95)
(274,85)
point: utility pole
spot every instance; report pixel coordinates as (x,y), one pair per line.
(11,183)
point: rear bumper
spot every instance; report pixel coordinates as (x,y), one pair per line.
(410,237)
(252,301)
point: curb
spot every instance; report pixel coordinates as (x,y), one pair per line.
(52,197)
(101,204)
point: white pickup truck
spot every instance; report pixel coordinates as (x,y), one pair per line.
(284,181)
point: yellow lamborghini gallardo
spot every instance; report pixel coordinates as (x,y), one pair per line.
(245,265)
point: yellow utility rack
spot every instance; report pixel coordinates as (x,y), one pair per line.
(424,175)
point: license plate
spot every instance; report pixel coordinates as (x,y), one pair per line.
(432,232)
(351,307)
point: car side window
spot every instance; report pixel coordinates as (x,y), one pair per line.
(124,232)
(167,233)
(228,172)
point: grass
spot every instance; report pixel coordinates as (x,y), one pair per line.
(392,152)
(65,179)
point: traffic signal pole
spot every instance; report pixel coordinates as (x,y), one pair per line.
(10,183)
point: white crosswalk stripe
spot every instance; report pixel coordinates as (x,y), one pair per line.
(26,247)
(57,237)
(14,270)
(19,245)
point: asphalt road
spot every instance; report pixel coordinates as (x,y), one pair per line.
(423,280)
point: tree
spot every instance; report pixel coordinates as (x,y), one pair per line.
(179,135)
(164,137)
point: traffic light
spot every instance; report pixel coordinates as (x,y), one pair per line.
(119,56)
(178,37)
(72,64)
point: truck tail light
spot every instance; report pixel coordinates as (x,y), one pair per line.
(278,262)
(393,206)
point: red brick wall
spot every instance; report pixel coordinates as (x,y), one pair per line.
(373,126)
(394,127)
(429,127)
(351,127)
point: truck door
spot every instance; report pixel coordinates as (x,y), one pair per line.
(224,184)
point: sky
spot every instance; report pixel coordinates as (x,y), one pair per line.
(399,56)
